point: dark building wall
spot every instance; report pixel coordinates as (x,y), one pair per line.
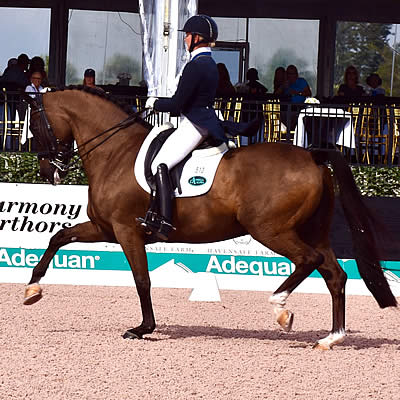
(387,211)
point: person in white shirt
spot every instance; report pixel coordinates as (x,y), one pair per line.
(36,78)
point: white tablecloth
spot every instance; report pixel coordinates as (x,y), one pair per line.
(346,136)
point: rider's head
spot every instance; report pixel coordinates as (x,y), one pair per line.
(201,30)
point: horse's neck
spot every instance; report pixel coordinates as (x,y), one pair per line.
(95,125)
(90,118)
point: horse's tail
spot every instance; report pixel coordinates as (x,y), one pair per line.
(361,222)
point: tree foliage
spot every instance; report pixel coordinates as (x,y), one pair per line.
(385,70)
(71,75)
(120,63)
(283,58)
(361,45)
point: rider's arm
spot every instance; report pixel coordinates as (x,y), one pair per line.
(184,92)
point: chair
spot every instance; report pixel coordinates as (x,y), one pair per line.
(230,108)
(274,129)
(3,106)
(12,125)
(393,119)
(372,139)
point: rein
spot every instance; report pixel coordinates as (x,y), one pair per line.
(121,125)
(60,158)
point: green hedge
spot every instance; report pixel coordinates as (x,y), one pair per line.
(24,168)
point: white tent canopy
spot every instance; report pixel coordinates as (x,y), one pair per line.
(164,53)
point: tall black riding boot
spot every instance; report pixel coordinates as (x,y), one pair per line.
(164,197)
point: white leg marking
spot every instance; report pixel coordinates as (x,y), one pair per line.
(278,301)
(332,339)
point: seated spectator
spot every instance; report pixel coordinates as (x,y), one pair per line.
(37,64)
(11,62)
(89,79)
(280,81)
(350,87)
(36,78)
(374,83)
(297,88)
(16,73)
(225,87)
(252,84)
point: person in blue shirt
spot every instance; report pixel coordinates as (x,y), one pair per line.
(193,102)
(298,88)
(296,91)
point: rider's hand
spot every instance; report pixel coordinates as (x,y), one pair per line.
(150,102)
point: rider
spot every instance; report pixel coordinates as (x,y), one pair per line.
(193,101)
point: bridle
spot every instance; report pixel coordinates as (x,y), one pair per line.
(58,152)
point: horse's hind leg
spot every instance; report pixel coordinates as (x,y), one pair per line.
(335,279)
(85,232)
(306,259)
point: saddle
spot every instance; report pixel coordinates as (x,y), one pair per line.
(192,176)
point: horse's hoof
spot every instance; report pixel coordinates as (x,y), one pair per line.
(331,340)
(33,293)
(131,334)
(321,346)
(285,320)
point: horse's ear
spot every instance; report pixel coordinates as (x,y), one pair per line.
(28,99)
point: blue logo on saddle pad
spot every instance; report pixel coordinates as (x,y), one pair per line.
(197,180)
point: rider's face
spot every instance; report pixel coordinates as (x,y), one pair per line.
(188,40)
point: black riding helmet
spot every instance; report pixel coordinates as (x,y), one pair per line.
(202,25)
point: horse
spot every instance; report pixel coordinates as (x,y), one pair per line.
(280,194)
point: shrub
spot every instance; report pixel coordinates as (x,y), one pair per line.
(24,168)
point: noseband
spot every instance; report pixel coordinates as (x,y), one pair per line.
(57,152)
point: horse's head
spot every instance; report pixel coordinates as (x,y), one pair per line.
(54,152)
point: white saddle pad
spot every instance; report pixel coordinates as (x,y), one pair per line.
(198,173)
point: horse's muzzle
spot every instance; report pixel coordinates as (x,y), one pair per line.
(49,172)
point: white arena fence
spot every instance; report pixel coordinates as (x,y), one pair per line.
(30,214)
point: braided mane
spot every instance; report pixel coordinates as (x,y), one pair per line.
(99,93)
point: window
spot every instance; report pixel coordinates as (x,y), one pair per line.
(108,42)
(282,42)
(274,43)
(371,48)
(17,24)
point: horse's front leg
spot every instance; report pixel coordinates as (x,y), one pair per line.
(133,245)
(85,232)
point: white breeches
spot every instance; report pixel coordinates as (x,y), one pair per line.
(179,144)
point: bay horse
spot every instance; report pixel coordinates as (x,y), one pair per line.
(280,194)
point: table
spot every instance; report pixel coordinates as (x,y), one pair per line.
(324,126)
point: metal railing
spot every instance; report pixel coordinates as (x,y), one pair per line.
(364,132)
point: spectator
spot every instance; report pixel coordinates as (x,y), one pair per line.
(37,64)
(16,73)
(252,85)
(11,62)
(297,88)
(374,83)
(36,78)
(350,87)
(280,81)
(89,79)
(225,87)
